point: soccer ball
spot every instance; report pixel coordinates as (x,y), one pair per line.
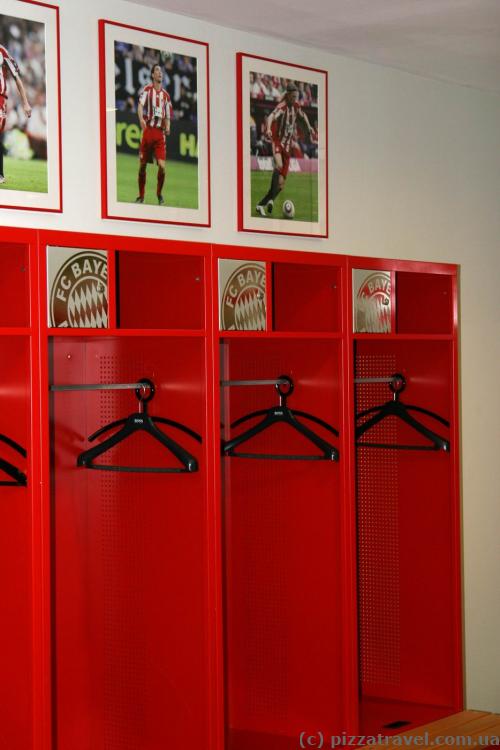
(288,209)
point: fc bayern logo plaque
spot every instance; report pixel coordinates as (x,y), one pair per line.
(242,295)
(77,282)
(371,294)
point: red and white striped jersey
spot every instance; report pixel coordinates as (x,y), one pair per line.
(7,64)
(284,123)
(157,106)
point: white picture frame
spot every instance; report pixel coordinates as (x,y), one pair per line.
(127,51)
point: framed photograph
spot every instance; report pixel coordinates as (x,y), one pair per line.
(282,147)
(155,138)
(30,123)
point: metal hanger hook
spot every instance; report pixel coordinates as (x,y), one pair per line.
(142,393)
(288,384)
(397,384)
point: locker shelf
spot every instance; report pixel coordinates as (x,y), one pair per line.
(376,716)
(16,331)
(123,332)
(277,335)
(402,336)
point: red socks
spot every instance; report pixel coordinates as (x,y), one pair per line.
(161,181)
(142,182)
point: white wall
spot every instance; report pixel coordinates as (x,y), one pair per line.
(415,173)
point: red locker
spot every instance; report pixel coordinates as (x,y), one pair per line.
(303,589)
(18,508)
(342,584)
(406,523)
(285,633)
(132,563)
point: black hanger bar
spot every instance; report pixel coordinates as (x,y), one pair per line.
(407,406)
(397,408)
(133,423)
(161,420)
(282,414)
(18,477)
(12,444)
(141,421)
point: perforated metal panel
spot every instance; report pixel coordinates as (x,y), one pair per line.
(266,582)
(122,543)
(283,570)
(378,533)
(268,606)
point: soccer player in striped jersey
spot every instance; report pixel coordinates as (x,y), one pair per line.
(8,66)
(282,131)
(154,112)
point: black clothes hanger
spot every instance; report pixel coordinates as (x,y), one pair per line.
(397,408)
(282,414)
(18,477)
(141,420)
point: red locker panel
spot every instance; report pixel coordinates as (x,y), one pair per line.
(282,553)
(306,297)
(130,605)
(14,285)
(156,290)
(16,556)
(405,507)
(424,302)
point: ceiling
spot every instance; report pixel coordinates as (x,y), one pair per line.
(452,40)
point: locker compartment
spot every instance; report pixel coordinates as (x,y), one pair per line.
(130,605)
(282,550)
(306,297)
(424,302)
(407,607)
(155,290)
(16,554)
(14,285)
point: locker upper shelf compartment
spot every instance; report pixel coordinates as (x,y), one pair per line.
(279,297)
(157,290)
(424,303)
(385,301)
(124,289)
(14,286)
(306,297)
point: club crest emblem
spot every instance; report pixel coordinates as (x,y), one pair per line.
(79,292)
(372,307)
(243,299)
